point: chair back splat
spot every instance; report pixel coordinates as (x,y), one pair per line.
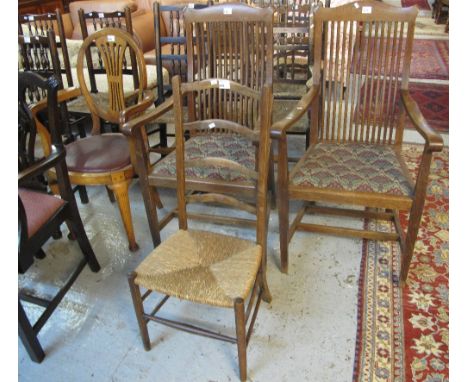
(366,53)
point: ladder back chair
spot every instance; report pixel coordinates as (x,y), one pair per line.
(106,159)
(207,267)
(357,132)
(39,25)
(228,41)
(40,215)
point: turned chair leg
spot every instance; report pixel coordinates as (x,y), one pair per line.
(138,305)
(120,190)
(241,338)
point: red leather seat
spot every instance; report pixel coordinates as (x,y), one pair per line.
(98,153)
(39,208)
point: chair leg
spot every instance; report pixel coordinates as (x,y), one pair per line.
(157,199)
(111,195)
(83,194)
(138,305)
(120,189)
(149,198)
(241,338)
(163,135)
(75,225)
(271,181)
(28,337)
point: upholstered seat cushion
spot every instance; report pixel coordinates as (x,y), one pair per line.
(216,145)
(203,267)
(98,153)
(39,208)
(352,167)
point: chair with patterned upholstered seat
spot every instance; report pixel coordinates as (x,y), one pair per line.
(203,266)
(357,130)
(217,29)
(40,215)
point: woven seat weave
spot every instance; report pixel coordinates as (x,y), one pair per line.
(204,267)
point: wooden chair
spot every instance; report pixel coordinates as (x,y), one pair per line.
(41,214)
(207,267)
(105,159)
(39,25)
(357,133)
(227,41)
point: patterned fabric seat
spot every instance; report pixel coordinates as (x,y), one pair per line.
(352,167)
(217,145)
(203,267)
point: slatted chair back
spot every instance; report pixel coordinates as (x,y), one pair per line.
(254,179)
(39,25)
(291,26)
(112,45)
(365,49)
(170,44)
(96,21)
(230,41)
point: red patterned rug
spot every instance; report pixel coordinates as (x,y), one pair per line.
(422,4)
(403,335)
(432,99)
(430,59)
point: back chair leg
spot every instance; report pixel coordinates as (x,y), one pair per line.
(28,337)
(83,194)
(138,305)
(120,189)
(241,337)
(110,195)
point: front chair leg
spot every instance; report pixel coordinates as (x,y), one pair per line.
(120,189)
(28,337)
(241,338)
(138,305)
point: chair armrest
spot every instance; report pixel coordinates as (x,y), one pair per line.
(145,103)
(129,127)
(434,141)
(63,95)
(57,154)
(280,127)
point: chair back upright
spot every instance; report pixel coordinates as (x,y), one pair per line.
(362,60)
(234,42)
(112,45)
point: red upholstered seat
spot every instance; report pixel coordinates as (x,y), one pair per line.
(39,208)
(99,153)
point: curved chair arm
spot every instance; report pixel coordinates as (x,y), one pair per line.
(63,95)
(57,154)
(130,127)
(129,112)
(280,127)
(434,141)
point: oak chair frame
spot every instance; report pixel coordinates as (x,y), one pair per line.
(244,327)
(30,247)
(380,13)
(202,66)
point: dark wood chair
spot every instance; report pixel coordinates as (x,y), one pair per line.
(105,159)
(239,41)
(357,133)
(207,267)
(40,215)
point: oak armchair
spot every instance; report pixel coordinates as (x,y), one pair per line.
(227,41)
(357,132)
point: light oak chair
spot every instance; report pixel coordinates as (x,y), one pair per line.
(206,267)
(105,159)
(357,131)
